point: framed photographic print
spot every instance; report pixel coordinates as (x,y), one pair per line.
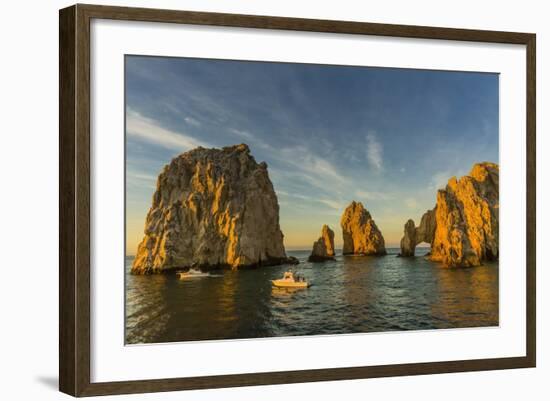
(297,200)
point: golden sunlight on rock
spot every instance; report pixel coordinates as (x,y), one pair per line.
(463,226)
(212,208)
(361,235)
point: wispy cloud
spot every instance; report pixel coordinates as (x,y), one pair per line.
(243,134)
(303,159)
(333,204)
(141,176)
(192,121)
(373,195)
(374,151)
(294,195)
(141,180)
(150,130)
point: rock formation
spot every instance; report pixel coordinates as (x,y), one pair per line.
(323,248)
(361,235)
(408,242)
(212,208)
(465,220)
(414,236)
(467,215)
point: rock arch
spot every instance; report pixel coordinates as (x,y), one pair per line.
(413,236)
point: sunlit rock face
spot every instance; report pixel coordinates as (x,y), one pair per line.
(323,248)
(463,226)
(361,235)
(212,208)
(467,215)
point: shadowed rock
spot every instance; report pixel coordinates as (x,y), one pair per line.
(323,248)
(408,242)
(212,208)
(361,235)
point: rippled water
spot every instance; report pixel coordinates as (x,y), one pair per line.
(349,295)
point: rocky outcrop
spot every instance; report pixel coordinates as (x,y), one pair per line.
(412,236)
(323,248)
(361,235)
(463,227)
(467,218)
(408,242)
(212,208)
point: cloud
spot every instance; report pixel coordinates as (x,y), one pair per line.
(374,151)
(333,204)
(141,176)
(303,159)
(141,180)
(149,130)
(294,195)
(373,195)
(243,134)
(192,121)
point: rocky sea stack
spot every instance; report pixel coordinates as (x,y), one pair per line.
(323,248)
(212,208)
(361,235)
(463,227)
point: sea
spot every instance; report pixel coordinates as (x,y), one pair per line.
(353,294)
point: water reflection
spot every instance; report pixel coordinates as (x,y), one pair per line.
(348,295)
(467,298)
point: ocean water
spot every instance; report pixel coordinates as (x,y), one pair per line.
(348,295)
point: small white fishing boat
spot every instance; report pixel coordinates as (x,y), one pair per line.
(289,280)
(192,273)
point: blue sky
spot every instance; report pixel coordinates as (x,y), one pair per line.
(329,134)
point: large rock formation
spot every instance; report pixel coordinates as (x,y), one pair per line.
(323,248)
(467,215)
(464,222)
(361,235)
(212,208)
(415,235)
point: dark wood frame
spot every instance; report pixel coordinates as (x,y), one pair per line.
(74,199)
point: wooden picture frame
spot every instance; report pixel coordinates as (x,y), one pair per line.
(74,200)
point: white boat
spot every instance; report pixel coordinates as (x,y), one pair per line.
(192,273)
(290,281)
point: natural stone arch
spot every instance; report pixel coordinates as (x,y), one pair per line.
(415,235)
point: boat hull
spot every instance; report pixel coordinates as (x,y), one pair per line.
(185,276)
(289,284)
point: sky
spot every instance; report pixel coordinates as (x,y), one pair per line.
(386,137)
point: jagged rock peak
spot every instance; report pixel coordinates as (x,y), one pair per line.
(360,233)
(212,208)
(323,248)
